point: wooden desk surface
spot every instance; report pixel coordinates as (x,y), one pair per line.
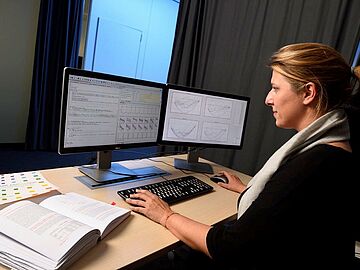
(139,239)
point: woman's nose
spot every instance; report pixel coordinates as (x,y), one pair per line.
(268,99)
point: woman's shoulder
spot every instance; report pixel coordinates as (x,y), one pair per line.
(320,160)
(324,152)
(322,167)
(345,145)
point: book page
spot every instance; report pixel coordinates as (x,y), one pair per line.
(41,229)
(15,255)
(92,212)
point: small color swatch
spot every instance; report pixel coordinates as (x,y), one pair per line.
(18,186)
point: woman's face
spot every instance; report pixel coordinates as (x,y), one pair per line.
(287,105)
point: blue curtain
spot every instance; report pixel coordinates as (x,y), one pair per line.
(57,46)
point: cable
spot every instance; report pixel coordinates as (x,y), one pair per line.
(164,153)
(156,154)
(183,171)
(137,175)
(161,161)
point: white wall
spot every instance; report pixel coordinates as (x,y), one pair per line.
(18,25)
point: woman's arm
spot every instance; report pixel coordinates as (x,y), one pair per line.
(187,230)
(190,232)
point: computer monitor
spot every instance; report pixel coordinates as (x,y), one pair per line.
(201,118)
(102,112)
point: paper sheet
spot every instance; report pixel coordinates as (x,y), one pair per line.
(18,186)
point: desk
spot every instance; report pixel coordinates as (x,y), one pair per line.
(138,239)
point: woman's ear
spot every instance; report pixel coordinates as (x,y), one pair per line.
(309,93)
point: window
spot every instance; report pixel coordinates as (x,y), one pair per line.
(131,38)
(356,60)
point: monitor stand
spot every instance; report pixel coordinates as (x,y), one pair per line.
(192,163)
(105,171)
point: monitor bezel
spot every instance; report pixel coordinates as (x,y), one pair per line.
(206,92)
(92,74)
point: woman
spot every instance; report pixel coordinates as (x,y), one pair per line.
(299,210)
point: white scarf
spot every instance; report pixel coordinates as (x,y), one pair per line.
(331,127)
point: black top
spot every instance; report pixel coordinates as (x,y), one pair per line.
(303,219)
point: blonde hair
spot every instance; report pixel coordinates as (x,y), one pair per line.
(320,64)
(356,72)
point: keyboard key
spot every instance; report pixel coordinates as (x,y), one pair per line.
(173,190)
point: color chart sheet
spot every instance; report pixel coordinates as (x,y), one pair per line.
(18,186)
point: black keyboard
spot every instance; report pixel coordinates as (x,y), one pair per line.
(173,190)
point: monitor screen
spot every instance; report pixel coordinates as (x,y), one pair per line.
(102,112)
(202,118)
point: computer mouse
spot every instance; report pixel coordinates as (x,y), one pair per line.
(219,178)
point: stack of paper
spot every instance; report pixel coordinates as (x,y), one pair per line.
(56,232)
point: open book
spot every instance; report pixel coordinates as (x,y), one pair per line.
(56,232)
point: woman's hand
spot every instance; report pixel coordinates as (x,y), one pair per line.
(191,232)
(150,205)
(234,183)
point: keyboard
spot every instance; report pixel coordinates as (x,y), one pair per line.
(173,190)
